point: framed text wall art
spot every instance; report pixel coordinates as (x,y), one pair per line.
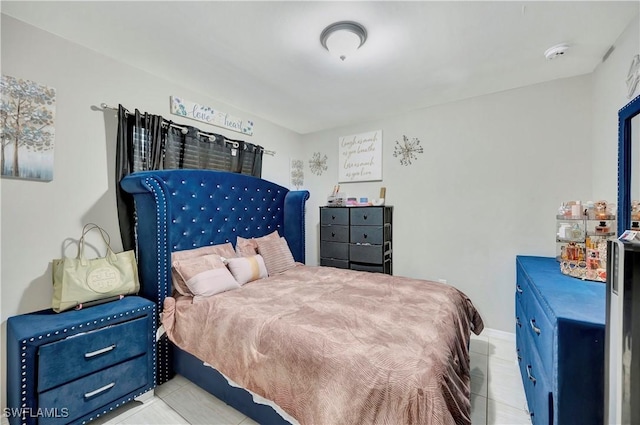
(360,157)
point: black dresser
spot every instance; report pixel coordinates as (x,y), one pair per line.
(357,238)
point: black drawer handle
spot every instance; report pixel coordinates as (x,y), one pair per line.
(519,289)
(100,351)
(518,354)
(333,217)
(518,322)
(99,390)
(365,236)
(530,376)
(532,322)
(364,217)
(333,235)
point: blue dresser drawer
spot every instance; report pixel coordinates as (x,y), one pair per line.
(535,380)
(536,321)
(78,355)
(87,394)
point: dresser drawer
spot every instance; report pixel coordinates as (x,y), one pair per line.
(334,233)
(87,394)
(339,264)
(367,234)
(542,332)
(366,216)
(366,254)
(536,383)
(78,355)
(335,250)
(367,268)
(334,216)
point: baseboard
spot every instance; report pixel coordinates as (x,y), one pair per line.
(496,333)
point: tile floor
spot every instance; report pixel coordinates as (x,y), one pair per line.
(497,396)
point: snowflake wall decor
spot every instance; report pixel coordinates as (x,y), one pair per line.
(318,164)
(297,173)
(407,150)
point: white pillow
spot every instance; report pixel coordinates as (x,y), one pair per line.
(247,269)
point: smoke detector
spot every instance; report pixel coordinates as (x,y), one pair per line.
(556,51)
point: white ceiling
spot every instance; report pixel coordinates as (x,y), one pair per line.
(265,57)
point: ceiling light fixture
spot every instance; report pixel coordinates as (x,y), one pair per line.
(343,38)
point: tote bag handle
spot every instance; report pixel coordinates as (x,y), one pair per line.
(111,256)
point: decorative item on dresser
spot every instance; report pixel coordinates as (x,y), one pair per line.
(560,323)
(72,367)
(357,238)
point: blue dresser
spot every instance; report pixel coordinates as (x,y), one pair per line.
(72,367)
(560,323)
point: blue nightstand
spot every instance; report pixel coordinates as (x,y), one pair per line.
(72,367)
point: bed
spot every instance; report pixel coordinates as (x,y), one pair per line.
(311,345)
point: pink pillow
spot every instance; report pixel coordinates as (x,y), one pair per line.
(277,255)
(223,250)
(205,275)
(249,247)
(247,269)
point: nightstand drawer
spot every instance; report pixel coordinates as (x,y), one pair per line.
(87,394)
(335,250)
(334,216)
(366,216)
(367,234)
(78,355)
(334,233)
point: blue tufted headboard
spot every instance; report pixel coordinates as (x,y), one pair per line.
(185,209)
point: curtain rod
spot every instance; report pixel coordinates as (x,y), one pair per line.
(185,130)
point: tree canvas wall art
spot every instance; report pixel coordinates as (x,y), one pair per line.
(27,112)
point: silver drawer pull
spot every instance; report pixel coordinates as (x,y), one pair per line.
(532,322)
(519,289)
(100,351)
(99,390)
(531,378)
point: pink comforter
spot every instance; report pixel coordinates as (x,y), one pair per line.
(334,346)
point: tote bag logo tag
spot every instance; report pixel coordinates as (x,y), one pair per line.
(103,279)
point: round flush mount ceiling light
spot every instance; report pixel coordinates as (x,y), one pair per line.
(556,51)
(343,38)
